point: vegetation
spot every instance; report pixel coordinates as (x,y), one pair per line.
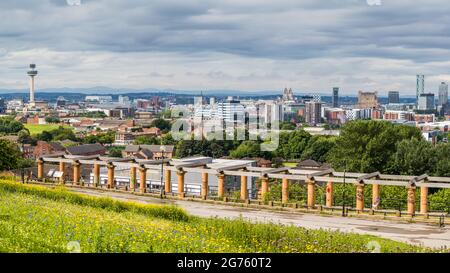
(95,114)
(10,126)
(161,124)
(52,120)
(11,156)
(36,219)
(36,129)
(60,133)
(102,138)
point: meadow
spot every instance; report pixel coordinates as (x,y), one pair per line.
(37,219)
(36,129)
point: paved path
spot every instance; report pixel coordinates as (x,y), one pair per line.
(417,233)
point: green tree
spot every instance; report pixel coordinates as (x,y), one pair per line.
(162,124)
(247,149)
(413,157)
(115,152)
(367,146)
(10,155)
(288,126)
(52,120)
(443,160)
(10,126)
(292,144)
(319,148)
(147,140)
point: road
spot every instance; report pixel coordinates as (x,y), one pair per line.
(412,233)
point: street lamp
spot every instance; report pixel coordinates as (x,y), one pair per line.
(162,148)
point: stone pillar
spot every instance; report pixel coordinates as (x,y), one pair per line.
(311,192)
(111,183)
(40,171)
(424,200)
(76,173)
(375,196)
(412,200)
(360,197)
(221,185)
(180,175)
(244,187)
(96,175)
(142,180)
(168,182)
(285,191)
(133,178)
(204,186)
(264,187)
(329,195)
(62,169)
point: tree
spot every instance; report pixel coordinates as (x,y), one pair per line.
(366,146)
(247,149)
(115,152)
(147,140)
(319,148)
(10,155)
(102,138)
(162,124)
(292,144)
(24,137)
(61,133)
(10,126)
(413,157)
(287,126)
(443,158)
(52,120)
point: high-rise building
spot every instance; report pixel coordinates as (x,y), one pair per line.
(426,102)
(394,97)
(443,94)
(335,98)
(313,112)
(420,86)
(273,112)
(367,100)
(288,95)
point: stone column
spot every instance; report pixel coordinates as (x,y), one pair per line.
(311,185)
(360,197)
(143,180)
(204,186)
(40,171)
(411,200)
(424,200)
(133,178)
(329,195)
(62,169)
(76,172)
(264,187)
(96,175)
(375,196)
(167,182)
(285,191)
(180,175)
(111,183)
(221,185)
(244,187)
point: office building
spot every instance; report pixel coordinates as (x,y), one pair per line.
(443,94)
(420,86)
(394,97)
(335,97)
(367,100)
(426,102)
(313,112)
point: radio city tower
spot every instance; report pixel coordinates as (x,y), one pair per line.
(32,73)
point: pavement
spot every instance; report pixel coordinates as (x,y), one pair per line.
(412,233)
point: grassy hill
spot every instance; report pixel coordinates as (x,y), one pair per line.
(37,219)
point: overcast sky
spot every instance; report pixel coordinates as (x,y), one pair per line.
(309,45)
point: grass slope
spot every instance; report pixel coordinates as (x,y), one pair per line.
(37,219)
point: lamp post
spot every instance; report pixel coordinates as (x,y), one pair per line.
(162,148)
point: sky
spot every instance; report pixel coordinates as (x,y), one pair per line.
(249,45)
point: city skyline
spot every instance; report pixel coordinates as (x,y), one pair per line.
(218,45)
